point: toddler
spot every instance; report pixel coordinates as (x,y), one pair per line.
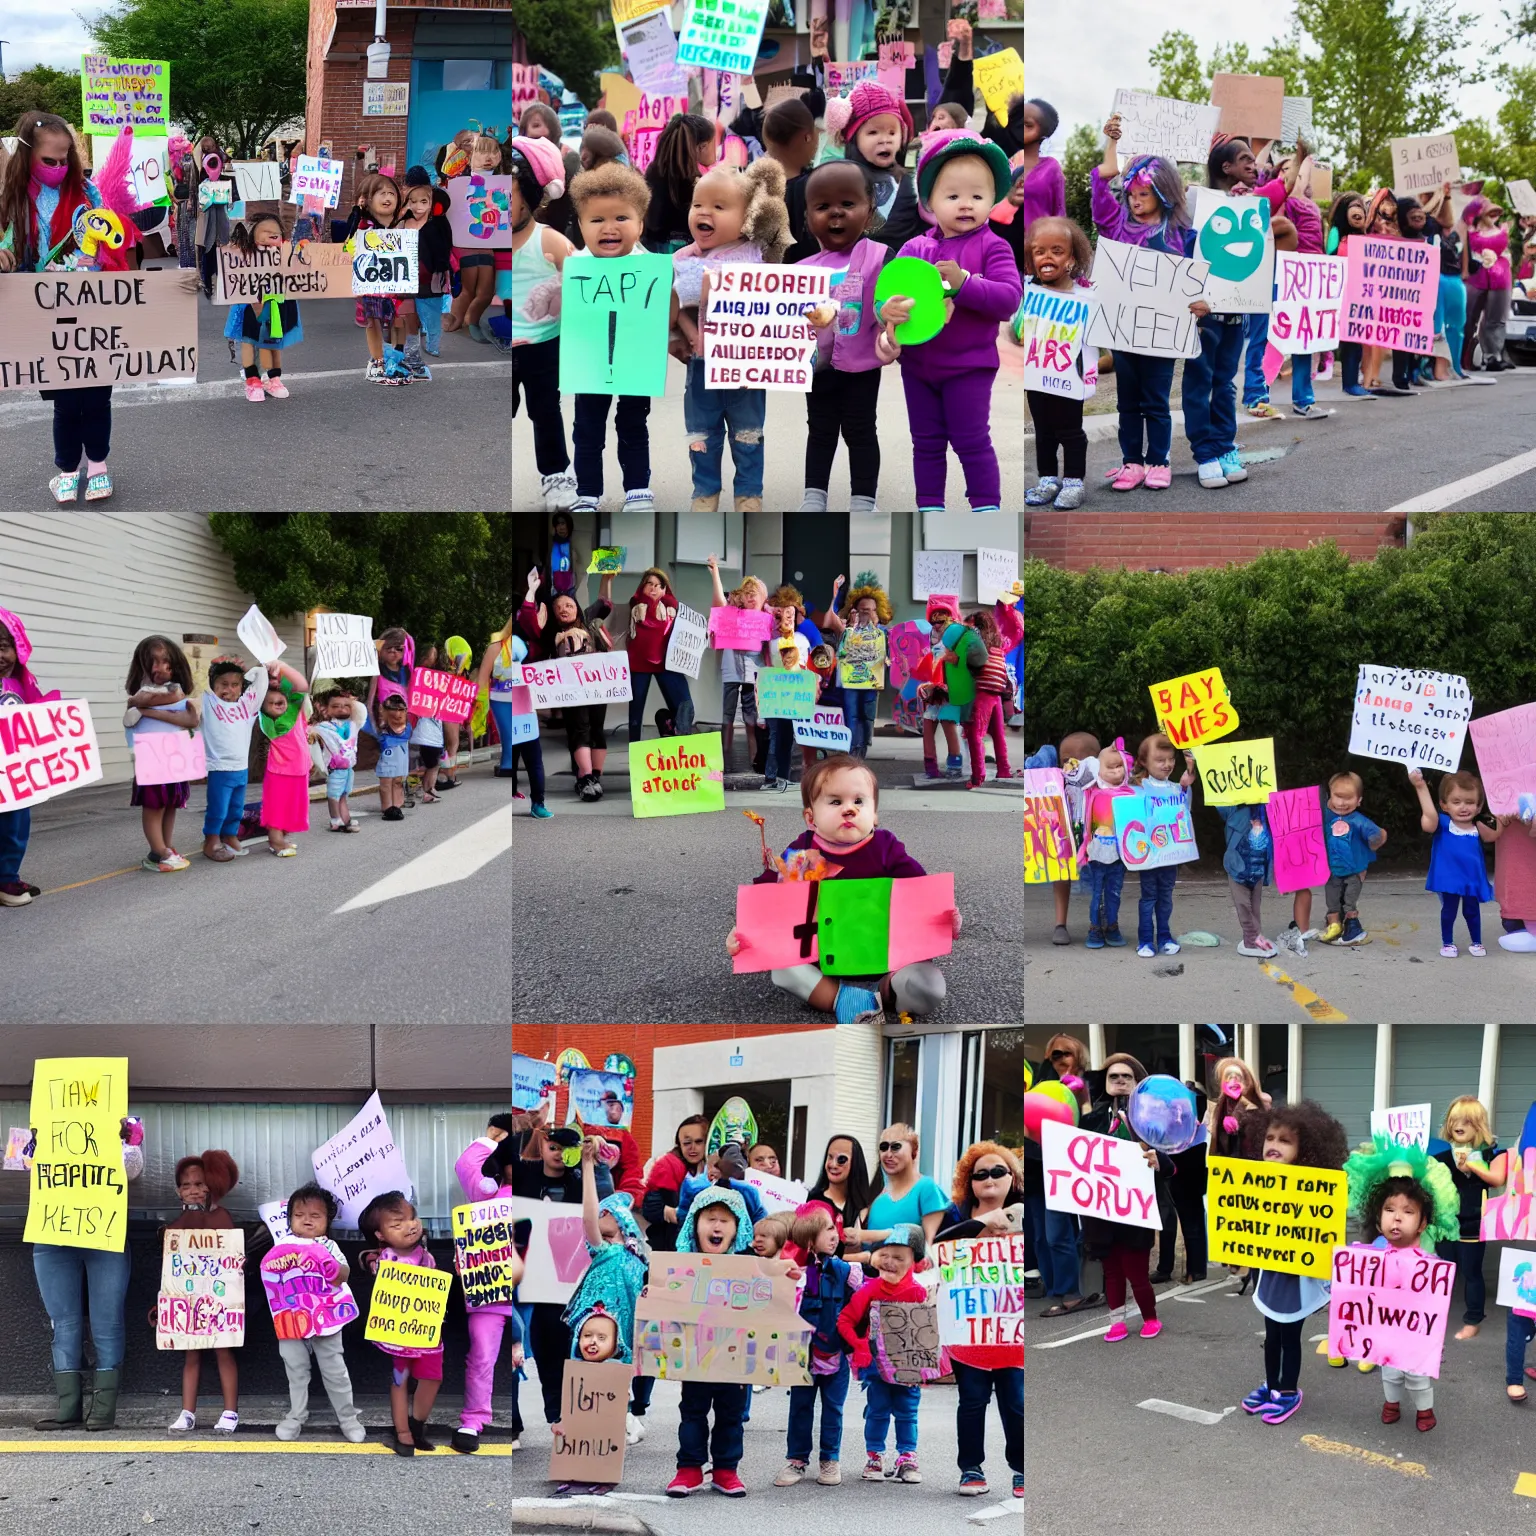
(333,742)
(377,207)
(1250,863)
(394,754)
(738,669)
(1352,843)
(159,699)
(1155,763)
(285,785)
(937,708)
(17,686)
(1098,849)
(231,707)
(1001,629)
(1456,868)
(390,1220)
(1474,1163)
(263,330)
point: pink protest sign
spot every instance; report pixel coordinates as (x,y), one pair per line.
(1509,1217)
(739,629)
(1388,1306)
(1087,1174)
(642,147)
(769,919)
(444,696)
(922,926)
(1506,756)
(907,643)
(300,1281)
(1296,825)
(1389,293)
(168,757)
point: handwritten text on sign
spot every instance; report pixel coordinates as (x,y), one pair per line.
(1506,756)
(302,1290)
(1237,772)
(441,695)
(1425,163)
(1275,1215)
(408,1306)
(344,645)
(79,1198)
(755,334)
(825,728)
(1406,1125)
(1194,708)
(1143,300)
(1087,1174)
(1153,828)
(306,270)
(1389,293)
(687,642)
(1304,316)
(1388,1306)
(314,177)
(1048,852)
(677,776)
(1296,826)
(202,1290)
(169,757)
(722,34)
(124,93)
(46,750)
(1416,718)
(614,313)
(384,261)
(1163,125)
(786,695)
(588,1444)
(598,679)
(361,1161)
(981,1291)
(1052,326)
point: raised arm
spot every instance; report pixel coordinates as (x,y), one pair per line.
(1429,818)
(718,595)
(1109,166)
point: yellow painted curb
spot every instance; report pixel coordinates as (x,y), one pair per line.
(1371,1458)
(1324,1012)
(225,1447)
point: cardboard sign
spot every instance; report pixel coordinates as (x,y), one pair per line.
(533,1082)
(777,1194)
(440,695)
(1237,772)
(602,678)
(739,629)
(614,314)
(483,1251)
(1309,291)
(1252,106)
(1143,298)
(1153,828)
(677,775)
(1388,1306)
(1233,236)
(588,1444)
(936,571)
(650,49)
(980,1298)
(1506,756)
(907,644)
(1296,828)
(259,637)
(1523,196)
(202,1290)
(722,34)
(786,695)
(1275,1215)
(299,1278)
(998,76)
(77,1190)
(1389,293)
(824,729)
(1162,125)
(997,570)
(46,750)
(556,1256)
(384,261)
(755,332)
(408,1306)
(125,93)
(1295,120)
(298,270)
(1416,718)
(169,757)
(1512,1215)
(1049,854)
(721,1318)
(607,560)
(344,645)
(687,642)
(1517,1280)
(1406,1126)
(904,1340)
(480,215)
(1087,1174)
(1195,708)
(1052,327)
(315,177)
(360,1161)
(1424,164)
(76,330)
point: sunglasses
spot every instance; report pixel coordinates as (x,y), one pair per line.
(892,1146)
(990,1173)
(1062,1055)
(52,160)
(839,1159)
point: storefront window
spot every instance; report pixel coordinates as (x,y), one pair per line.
(1002,1087)
(906,1058)
(469,74)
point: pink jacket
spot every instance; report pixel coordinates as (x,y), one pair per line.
(476,1186)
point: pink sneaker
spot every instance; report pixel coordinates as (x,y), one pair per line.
(1151,1328)
(1117,1332)
(1159,477)
(254,391)
(1130,476)
(276,388)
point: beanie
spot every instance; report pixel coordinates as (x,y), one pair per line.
(940,147)
(871,99)
(539,168)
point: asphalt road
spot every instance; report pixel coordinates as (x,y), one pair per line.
(1400,969)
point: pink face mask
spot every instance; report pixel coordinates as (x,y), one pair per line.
(49,175)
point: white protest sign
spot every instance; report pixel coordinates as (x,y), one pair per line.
(46,750)
(360,1161)
(146,172)
(1405,1126)
(314,177)
(1163,125)
(384,261)
(598,679)
(936,570)
(1403,715)
(755,333)
(996,572)
(1425,163)
(1295,119)
(650,51)
(687,642)
(1050,327)
(259,637)
(777,1194)
(1087,1174)
(259,180)
(1308,292)
(344,645)
(1143,300)
(275,1214)
(1233,235)
(557,1249)
(1517,1280)
(1522,196)
(825,728)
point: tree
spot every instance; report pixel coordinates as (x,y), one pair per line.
(40,89)
(1084,151)
(1178,68)
(237,66)
(566,37)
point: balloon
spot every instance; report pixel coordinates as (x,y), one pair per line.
(911,277)
(1162,1113)
(1049,1101)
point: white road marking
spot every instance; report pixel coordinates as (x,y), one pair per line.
(994,1512)
(461,856)
(1179,1411)
(1445,496)
(1176,1294)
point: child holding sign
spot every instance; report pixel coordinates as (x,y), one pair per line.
(230,708)
(477,269)
(738,669)
(159,699)
(1474,1163)
(1457,872)
(285,786)
(1156,761)
(17,686)
(271,326)
(1057,256)
(377,206)
(570,632)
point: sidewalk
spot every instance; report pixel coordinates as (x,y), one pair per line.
(154,1410)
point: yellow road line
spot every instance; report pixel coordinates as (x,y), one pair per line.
(92,881)
(1525,1485)
(225,1447)
(1321,1010)
(1371,1458)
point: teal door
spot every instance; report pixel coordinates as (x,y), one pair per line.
(450,94)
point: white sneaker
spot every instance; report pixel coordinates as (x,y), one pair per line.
(228,1422)
(634,1431)
(639,501)
(1261,947)
(354,1433)
(183,1422)
(1211,476)
(288,1429)
(559,491)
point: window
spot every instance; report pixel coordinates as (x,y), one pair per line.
(1002,1087)
(902,1082)
(469,74)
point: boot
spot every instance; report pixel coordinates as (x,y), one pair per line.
(103,1414)
(66,1384)
(419,1435)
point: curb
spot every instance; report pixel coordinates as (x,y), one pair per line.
(562,1516)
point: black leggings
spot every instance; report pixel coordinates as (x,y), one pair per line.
(536,372)
(1282,1354)
(1471,909)
(532,754)
(82,423)
(1058,423)
(846,403)
(1349,360)
(1404,366)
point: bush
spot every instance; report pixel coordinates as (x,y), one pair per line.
(1289,631)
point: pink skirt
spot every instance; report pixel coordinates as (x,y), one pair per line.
(285,802)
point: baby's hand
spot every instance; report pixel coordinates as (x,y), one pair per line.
(735,943)
(887,348)
(1415,776)
(950,273)
(896,310)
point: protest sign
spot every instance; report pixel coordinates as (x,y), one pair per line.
(169,757)
(936,571)
(588,1444)
(533,1082)
(46,750)
(525,87)
(677,775)
(650,49)
(1142,300)
(686,643)
(739,629)
(754,330)
(826,729)
(996,572)
(1424,163)
(895,57)
(998,76)
(480,215)
(1405,1126)
(721,1318)
(78,1195)
(786,694)
(1517,1280)
(77,330)
(1309,290)
(260,181)
(1195,708)
(1237,772)
(1233,235)
(777,1194)
(1506,756)
(1163,125)
(1153,828)
(607,560)
(1275,1215)
(861,656)
(1048,852)
(1296,119)
(17,1141)
(1523,196)
(1087,1174)
(298,270)
(1389,293)
(1296,826)
(1051,327)
(614,313)
(556,1256)
(408,1306)
(907,644)
(440,695)
(215,194)
(601,678)
(980,1299)
(843,76)
(313,176)
(125,93)
(722,34)
(1408,716)
(1252,106)
(590,1101)
(360,1161)
(202,1289)
(386,98)
(384,261)
(259,637)
(1512,1215)
(299,1278)
(275,1214)
(146,173)
(344,645)
(904,1340)
(483,1251)
(1388,1306)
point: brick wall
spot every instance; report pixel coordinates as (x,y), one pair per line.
(1180,540)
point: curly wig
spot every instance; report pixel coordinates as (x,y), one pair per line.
(220,1172)
(1320,1138)
(1383,1169)
(960,1191)
(871,590)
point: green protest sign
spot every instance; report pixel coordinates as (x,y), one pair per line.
(607,561)
(124,93)
(614,314)
(913,278)
(785,695)
(855,927)
(677,775)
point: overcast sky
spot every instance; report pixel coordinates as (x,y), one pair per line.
(35,35)
(1078,52)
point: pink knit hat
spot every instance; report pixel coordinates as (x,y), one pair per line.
(545,162)
(871,99)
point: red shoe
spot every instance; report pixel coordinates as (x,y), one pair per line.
(687,1479)
(1424,1419)
(729,1484)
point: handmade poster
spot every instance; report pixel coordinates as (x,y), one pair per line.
(980,1299)
(1511,1216)
(677,775)
(360,1161)
(722,34)
(1142,300)
(303,269)
(1052,327)
(259,637)
(1195,708)
(408,1306)
(384,261)
(754,330)
(1389,293)
(777,1194)
(1406,1126)
(936,570)
(907,644)
(1163,125)
(77,1191)
(533,1082)
(525,87)
(440,695)
(1275,1215)
(1506,756)
(344,645)
(556,1256)
(650,49)
(313,176)
(786,694)
(18,1157)
(146,173)
(1237,772)
(125,93)
(1233,235)
(588,1444)
(721,1318)
(1523,196)
(1296,828)
(1416,718)
(687,642)
(1154,828)
(483,1251)
(46,750)
(904,1340)
(842,77)
(299,1278)
(480,215)
(595,679)
(739,629)
(607,560)
(77,330)
(997,571)
(1424,164)
(1309,290)
(202,1290)
(998,76)
(1388,1306)
(215,194)
(275,1214)
(1252,106)
(824,729)
(614,314)
(169,757)
(1087,1174)
(1296,119)
(1049,854)
(861,657)
(1517,1280)
(590,1103)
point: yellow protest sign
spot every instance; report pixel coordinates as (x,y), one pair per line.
(1275,1215)
(999,76)
(1194,708)
(408,1306)
(620,94)
(1238,772)
(626,11)
(79,1194)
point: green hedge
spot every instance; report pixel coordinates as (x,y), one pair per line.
(1289,631)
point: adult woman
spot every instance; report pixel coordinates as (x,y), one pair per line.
(652,612)
(59,1271)
(900,1194)
(659,1205)
(1485,265)
(1055,1233)
(496,674)
(987,1195)
(844,1183)
(1451,299)
(212,221)
(1045,187)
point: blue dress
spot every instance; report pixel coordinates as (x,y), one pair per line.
(1456,866)
(293,327)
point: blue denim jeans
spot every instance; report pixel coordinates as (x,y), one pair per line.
(674,689)
(15,830)
(1302,393)
(781,749)
(833,1391)
(60,1273)
(706,415)
(1518,1332)
(976,1389)
(884,1402)
(226,802)
(1144,384)
(1256,334)
(1156,901)
(1105,882)
(1044,758)
(859,717)
(1468,1259)
(695,1443)
(501,713)
(1055,1234)
(1210,407)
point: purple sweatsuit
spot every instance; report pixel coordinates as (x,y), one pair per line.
(487,1323)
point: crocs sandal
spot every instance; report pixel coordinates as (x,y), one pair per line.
(282,853)
(98,487)
(65,488)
